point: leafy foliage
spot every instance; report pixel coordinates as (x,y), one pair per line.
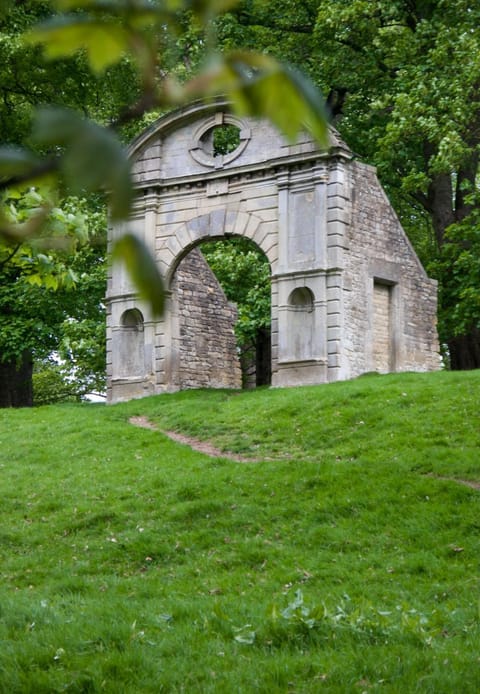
(45,235)
(226,139)
(457,267)
(45,290)
(144,34)
(403,81)
(414,111)
(93,159)
(29,273)
(51,384)
(244,274)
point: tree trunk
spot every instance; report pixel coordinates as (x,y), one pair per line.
(464,351)
(16,385)
(439,203)
(264,357)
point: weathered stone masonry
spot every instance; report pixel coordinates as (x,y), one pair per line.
(206,342)
(348,292)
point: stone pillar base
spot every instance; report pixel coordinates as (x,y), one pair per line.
(300,373)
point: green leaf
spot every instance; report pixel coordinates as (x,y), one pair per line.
(18,233)
(15,161)
(118,6)
(94,159)
(244,634)
(104,43)
(260,86)
(138,14)
(280,93)
(35,280)
(50,282)
(142,269)
(73,4)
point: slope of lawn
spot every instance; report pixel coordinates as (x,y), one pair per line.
(343,557)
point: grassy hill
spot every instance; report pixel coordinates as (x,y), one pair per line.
(340,553)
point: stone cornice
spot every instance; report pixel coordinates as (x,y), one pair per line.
(283,166)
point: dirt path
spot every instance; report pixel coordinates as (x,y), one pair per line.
(210,450)
(195,444)
(466,483)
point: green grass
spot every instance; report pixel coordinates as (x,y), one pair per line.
(346,560)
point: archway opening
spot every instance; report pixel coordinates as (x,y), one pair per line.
(243,272)
(223,316)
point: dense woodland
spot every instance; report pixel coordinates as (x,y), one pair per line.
(401,80)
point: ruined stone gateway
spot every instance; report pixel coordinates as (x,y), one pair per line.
(348,292)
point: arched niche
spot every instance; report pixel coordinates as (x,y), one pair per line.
(301,331)
(301,299)
(132,319)
(131,351)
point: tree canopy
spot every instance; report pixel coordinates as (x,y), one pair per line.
(403,79)
(76,78)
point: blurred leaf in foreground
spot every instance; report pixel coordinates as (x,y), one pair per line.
(142,269)
(93,159)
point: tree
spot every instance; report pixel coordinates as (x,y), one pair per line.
(44,292)
(146,34)
(89,42)
(82,333)
(39,308)
(404,77)
(415,88)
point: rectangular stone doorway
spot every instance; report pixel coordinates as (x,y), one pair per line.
(382,328)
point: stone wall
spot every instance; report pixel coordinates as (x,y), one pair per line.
(379,254)
(207,355)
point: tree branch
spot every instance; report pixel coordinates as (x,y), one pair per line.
(137,110)
(9,257)
(421,198)
(46,167)
(359,49)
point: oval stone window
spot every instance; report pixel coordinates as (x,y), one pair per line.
(219,140)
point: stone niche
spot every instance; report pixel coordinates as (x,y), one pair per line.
(348,292)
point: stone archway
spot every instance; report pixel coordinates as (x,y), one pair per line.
(323,222)
(222,224)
